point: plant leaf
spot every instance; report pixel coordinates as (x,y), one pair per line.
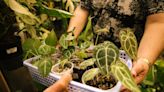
(51,39)
(105,53)
(55,12)
(128,42)
(89,74)
(26,19)
(63,42)
(85,36)
(31,44)
(46,50)
(123,74)
(81,54)
(85,44)
(67,53)
(15,6)
(44,66)
(87,63)
(63,62)
(70,6)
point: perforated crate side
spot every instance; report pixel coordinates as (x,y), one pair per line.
(73,86)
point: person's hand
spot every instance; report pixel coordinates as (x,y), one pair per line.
(61,85)
(139,72)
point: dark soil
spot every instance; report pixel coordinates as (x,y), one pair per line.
(102,82)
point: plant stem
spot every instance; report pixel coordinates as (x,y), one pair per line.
(97,37)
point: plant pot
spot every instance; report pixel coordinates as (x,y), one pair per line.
(77,72)
(117,86)
(56,69)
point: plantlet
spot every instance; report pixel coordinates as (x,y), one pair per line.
(108,62)
(44,49)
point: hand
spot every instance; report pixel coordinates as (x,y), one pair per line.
(61,85)
(139,72)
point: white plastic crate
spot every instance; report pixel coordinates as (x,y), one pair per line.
(73,86)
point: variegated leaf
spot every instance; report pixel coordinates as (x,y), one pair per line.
(87,63)
(26,19)
(63,42)
(89,74)
(63,62)
(70,6)
(15,6)
(67,53)
(128,42)
(81,54)
(105,53)
(46,50)
(44,66)
(123,74)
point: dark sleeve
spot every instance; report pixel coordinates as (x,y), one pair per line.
(155,6)
(86,4)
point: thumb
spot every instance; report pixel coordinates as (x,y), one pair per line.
(136,69)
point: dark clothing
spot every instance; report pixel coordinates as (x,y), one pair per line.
(113,15)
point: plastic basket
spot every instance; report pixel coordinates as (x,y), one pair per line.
(73,86)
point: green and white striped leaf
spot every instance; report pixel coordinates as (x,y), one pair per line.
(87,63)
(44,66)
(123,74)
(67,53)
(18,8)
(105,53)
(46,50)
(70,6)
(26,19)
(63,42)
(128,42)
(81,54)
(90,74)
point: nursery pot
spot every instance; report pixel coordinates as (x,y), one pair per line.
(125,58)
(57,66)
(77,73)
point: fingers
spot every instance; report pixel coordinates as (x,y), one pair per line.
(123,89)
(61,85)
(139,71)
(67,77)
(136,69)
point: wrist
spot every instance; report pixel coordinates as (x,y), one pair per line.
(145,60)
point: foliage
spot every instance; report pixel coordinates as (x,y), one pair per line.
(89,75)
(87,34)
(105,54)
(128,42)
(154,81)
(122,73)
(44,66)
(37,30)
(36,23)
(108,62)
